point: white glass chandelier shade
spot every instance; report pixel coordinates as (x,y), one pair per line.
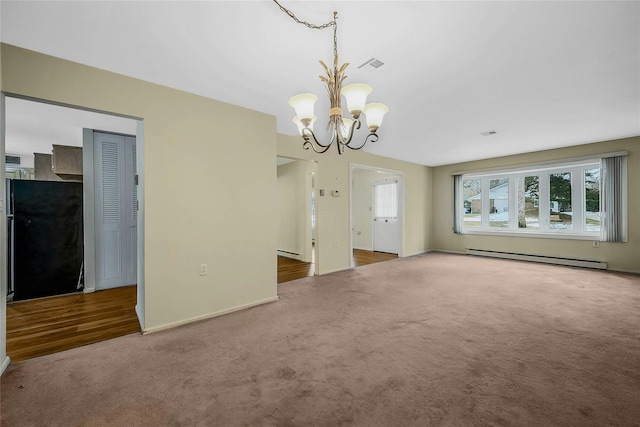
(303,105)
(356,96)
(301,125)
(375,112)
(345,128)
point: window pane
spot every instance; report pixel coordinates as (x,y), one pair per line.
(386,201)
(561,213)
(592,199)
(472,193)
(499,203)
(528,202)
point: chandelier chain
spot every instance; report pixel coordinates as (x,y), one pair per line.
(305,23)
(333,24)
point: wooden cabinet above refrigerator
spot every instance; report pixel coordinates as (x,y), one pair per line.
(66,161)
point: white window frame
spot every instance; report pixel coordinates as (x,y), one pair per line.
(578,201)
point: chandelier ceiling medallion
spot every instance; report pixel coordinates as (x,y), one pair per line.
(341,129)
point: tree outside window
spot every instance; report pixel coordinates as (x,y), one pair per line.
(528,202)
(592,199)
(561,212)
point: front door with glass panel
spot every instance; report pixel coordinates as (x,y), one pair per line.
(386,227)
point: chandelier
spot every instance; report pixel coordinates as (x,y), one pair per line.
(340,128)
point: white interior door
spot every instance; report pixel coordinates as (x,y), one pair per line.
(386,226)
(115,210)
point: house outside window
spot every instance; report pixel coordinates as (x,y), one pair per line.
(560,200)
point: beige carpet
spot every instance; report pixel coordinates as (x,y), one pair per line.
(432,340)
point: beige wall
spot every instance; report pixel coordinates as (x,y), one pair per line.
(205,174)
(619,256)
(334,232)
(361,209)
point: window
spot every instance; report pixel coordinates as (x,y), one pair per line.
(528,207)
(385,200)
(499,203)
(592,199)
(556,200)
(472,195)
(560,211)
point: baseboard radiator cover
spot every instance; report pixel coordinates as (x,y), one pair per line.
(288,254)
(601,265)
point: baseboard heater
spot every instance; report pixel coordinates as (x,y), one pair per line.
(288,254)
(539,258)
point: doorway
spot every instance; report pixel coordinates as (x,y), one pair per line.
(377,206)
(384,208)
(115,202)
(296,235)
(32,127)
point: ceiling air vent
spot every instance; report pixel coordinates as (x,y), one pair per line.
(372,62)
(491,132)
(12,160)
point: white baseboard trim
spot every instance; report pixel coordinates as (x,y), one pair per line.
(89,290)
(140,316)
(4,364)
(619,270)
(209,316)
(334,271)
(415,254)
(447,252)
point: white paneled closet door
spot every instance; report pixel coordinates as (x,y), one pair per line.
(115,210)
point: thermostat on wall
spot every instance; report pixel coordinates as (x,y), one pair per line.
(335,193)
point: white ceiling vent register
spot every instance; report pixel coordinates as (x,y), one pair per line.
(371,63)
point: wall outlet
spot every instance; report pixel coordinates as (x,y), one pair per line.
(596,244)
(204,269)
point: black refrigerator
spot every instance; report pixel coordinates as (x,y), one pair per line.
(47,238)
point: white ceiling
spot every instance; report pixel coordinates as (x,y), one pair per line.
(542,74)
(33,127)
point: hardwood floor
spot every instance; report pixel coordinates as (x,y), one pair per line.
(291,269)
(369,257)
(49,325)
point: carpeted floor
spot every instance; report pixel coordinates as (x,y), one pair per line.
(431,340)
